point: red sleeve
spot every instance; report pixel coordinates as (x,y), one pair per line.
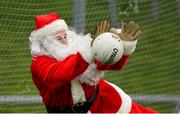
(51,71)
(116,66)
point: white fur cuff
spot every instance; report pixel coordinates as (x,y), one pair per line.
(86,51)
(129,47)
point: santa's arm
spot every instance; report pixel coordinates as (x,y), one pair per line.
(54,72)
(116,66)
(51,70)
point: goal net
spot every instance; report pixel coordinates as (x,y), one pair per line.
(151,76)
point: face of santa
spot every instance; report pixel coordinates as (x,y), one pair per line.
(61,37)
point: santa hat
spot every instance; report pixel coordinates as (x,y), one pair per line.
(48,24)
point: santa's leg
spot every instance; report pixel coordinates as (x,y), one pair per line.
(128,105)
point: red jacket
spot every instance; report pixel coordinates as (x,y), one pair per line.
(53,80)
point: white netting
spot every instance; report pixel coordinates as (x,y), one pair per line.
(153,69)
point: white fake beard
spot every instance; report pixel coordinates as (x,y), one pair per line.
(51,47)
(58,50)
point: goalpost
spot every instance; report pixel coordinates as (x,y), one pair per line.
(151,75)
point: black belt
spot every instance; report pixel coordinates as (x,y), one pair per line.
(81,107)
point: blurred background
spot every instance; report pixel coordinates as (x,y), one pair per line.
(151,76)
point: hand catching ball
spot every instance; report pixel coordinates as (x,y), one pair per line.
(107,48)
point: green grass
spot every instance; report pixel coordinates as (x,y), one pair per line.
(153,69)
(35,108)
(162,108)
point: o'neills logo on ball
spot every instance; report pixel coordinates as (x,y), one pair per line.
(115,50)
(115,37)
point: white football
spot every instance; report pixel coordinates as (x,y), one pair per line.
(107,48)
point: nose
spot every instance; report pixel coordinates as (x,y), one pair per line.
(65,34)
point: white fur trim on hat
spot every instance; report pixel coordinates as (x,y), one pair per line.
(49,29)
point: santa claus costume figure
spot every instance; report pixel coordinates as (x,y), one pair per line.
(67,76)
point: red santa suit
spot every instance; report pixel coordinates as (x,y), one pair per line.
(73,78)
